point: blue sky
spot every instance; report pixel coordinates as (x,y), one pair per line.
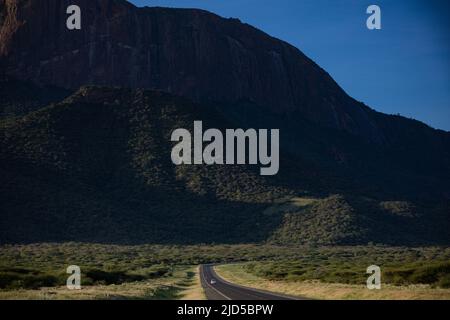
(403,68)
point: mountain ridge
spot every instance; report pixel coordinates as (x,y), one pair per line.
(86,118)
(96,167)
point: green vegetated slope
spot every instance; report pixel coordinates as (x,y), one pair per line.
(96,167)
(349,219)
(17,98)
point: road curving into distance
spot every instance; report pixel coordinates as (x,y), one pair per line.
(220,289)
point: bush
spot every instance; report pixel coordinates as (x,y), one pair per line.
(26,280)
(112,277)
(444,282)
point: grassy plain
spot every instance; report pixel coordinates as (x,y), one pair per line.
(38,271)
(315,289)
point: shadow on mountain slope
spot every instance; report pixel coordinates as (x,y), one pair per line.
(96,168)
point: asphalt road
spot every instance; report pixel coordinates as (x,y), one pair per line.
(224,290)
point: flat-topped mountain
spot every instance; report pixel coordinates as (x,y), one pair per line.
(187,52)
(93,164)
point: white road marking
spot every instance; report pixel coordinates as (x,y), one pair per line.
(223,295)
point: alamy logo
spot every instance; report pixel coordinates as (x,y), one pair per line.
(74,280)
(238,145)
(74,20)
(374,20)
(374,280)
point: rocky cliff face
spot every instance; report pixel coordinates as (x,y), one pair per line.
(191,53)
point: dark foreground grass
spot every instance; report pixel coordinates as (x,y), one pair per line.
(31,278)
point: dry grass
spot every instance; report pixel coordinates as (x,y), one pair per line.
(183,284)
(318,290)
(123,291)
(195,289)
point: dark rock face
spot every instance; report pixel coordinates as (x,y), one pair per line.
(191,53)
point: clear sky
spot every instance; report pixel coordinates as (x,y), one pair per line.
(403,68)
